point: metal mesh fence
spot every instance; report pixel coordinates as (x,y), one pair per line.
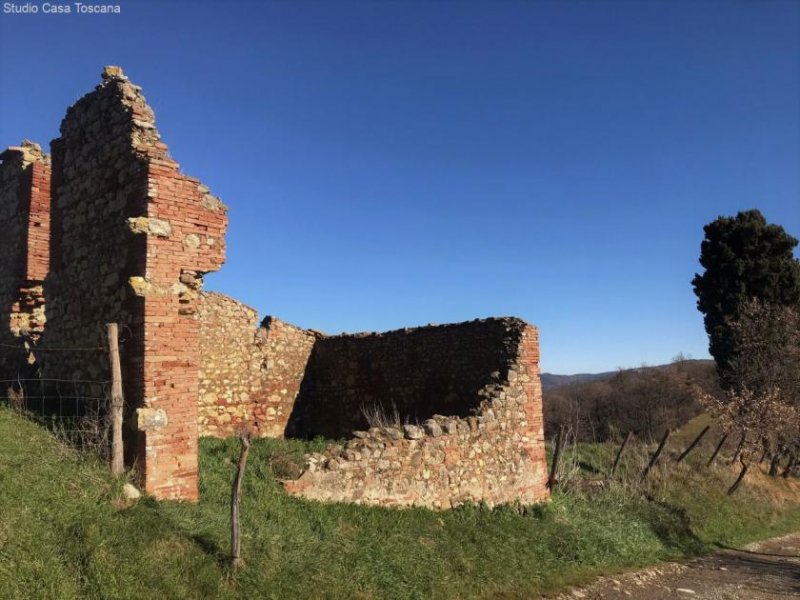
(75,410)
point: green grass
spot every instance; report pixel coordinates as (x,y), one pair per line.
(65,534)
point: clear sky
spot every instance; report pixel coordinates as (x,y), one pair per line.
(390,163)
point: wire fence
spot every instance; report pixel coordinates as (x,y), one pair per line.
(76,410)
(84,413)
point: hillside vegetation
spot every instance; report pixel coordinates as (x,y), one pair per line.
(645,401)
(66,533)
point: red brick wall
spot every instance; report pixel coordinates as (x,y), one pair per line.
(24,252)
(38,246)
(132,237)
(174,268)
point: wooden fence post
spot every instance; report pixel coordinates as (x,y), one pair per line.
(657,453)
(117,400)
(236,553)
(619,454)
(553,481)
(694,443)
(717,449)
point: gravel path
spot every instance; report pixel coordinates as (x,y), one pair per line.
(768,570)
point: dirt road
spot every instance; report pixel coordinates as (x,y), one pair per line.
(768,570)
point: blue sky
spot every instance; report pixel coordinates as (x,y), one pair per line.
(390,163)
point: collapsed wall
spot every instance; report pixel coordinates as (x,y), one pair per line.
(414,372)
(456,409)
(131,240)
(24,248)
(487,446)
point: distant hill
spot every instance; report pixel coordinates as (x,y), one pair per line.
(645,400)
(552,381)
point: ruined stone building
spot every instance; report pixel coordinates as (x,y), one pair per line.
(108,229)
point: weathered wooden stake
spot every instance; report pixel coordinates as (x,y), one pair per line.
(694,443)
(619,454)
(657,453)
(553,481)
(739,479)
(117,400)
(236,554)
(718,448)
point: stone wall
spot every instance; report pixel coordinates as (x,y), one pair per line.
(287,351)
(24,248)
(131,239)
(493,453)
(460,405)
(249,374)
(415,372)
(230,365)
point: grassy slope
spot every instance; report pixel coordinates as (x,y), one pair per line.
(65,534)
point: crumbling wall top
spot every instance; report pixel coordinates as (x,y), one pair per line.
(26,153)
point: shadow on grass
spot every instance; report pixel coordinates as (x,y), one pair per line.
(210,548)
(675,532)
(163,523)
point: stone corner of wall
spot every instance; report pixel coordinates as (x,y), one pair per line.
(26,153)
(145,138)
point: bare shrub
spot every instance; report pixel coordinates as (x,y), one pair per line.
(568,474)
(378,416)
(89,432)
(762,398)
(285,466)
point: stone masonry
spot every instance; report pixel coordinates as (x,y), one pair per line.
(108,230)
(460,405)
(250,375)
